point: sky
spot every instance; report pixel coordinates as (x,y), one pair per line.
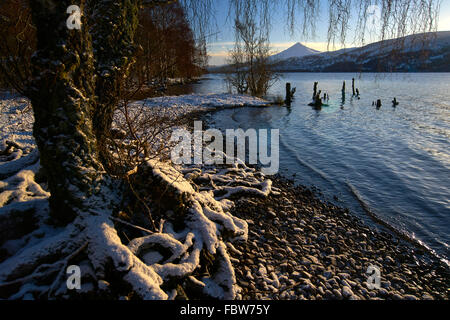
(280,37)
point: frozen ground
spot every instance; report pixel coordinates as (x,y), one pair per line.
(16,120)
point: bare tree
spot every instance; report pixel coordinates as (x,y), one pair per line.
(169,49)
(237,79)
(250,58)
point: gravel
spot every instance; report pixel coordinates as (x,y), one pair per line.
(314,250)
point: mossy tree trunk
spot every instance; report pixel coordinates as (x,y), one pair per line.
(76,74)
(113,25)
(63,99)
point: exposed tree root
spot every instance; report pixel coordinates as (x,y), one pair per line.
(187,254)
(16,160)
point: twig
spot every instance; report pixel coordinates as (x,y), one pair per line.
(292,286)
(131,225)
(66,261)
(31,276)
(142,202)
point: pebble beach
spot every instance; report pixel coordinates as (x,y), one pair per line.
(300,247)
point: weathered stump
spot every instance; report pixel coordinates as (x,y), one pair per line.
(288,94)
(395,102)
(315,90)
(378,103)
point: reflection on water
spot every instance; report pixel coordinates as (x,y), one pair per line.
(395,160)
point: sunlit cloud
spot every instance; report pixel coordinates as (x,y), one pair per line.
(218,54)
(218,51)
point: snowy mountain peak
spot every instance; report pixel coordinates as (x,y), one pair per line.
(427,52)
(296,51)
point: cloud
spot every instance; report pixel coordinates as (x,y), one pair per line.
(218,51)
(218,54)
(217,60)
(221,44)
(444,24)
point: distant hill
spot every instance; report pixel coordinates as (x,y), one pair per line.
(296,51)
(428,52)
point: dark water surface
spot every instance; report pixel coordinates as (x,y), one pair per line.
(395,161)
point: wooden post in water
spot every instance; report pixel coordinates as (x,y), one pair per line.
(378,103)
(288,94)
(353,86)
(395,102)
(343,93)
(315,90)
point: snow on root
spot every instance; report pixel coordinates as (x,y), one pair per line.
(208,225)
(151,264)
(104,245)
(19,162)
(21,187)
(223,284)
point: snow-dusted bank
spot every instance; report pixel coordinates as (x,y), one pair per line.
(202,101)
(269,238)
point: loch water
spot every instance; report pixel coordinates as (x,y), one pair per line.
(391,162)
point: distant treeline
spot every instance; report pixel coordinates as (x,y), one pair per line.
(168,48)
(17,44)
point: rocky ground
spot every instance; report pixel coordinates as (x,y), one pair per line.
(302,248)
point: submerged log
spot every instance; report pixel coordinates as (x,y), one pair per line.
(288,94)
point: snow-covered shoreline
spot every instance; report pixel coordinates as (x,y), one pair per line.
(185,104)
(297,248)
(213,100)
(16,116)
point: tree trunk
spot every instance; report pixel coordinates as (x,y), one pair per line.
(113,25)
(63,99)
(76,88)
